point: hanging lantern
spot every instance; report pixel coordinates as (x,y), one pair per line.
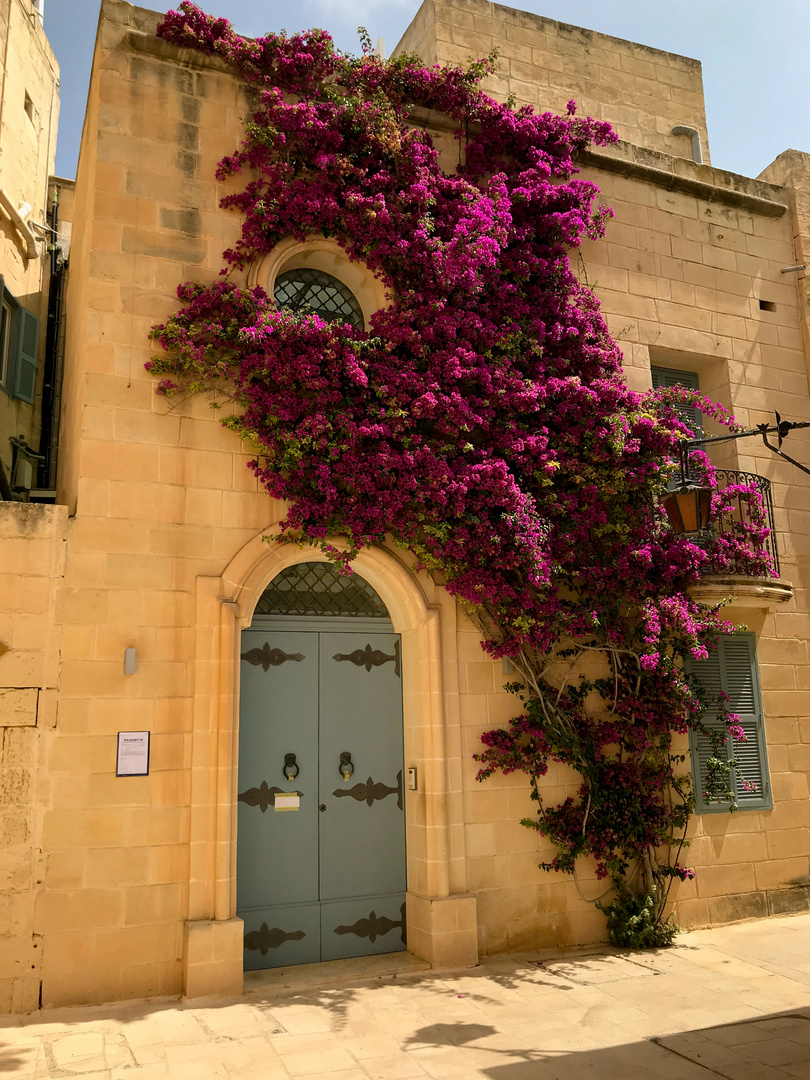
(688,507)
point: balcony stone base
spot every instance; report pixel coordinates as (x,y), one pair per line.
(747,592)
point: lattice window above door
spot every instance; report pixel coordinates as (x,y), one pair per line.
(319,589)
(299,290)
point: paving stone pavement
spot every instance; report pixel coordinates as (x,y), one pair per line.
(730,1003)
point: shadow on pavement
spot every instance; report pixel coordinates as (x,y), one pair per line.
(769,1048)
(598,1013)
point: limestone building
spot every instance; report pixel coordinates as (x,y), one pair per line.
(148,600)
(29,264)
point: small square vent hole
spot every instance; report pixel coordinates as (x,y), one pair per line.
(767,305)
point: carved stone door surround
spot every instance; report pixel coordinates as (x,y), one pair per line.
(442,924)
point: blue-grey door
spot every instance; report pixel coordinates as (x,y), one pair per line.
(324,880)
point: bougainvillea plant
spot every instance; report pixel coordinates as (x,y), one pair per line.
(481,420)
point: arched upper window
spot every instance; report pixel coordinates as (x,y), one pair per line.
(314,290)
(317,588)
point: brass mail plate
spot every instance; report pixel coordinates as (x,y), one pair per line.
(287,801)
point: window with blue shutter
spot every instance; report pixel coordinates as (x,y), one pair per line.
(669,377)
(6,341)
(19,339)
(25,376)
(732,667)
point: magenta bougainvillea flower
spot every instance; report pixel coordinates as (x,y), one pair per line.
(481,420)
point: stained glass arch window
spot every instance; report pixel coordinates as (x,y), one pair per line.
(317,588)
(307,289)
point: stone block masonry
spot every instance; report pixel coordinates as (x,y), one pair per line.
(32,553)
(642,92)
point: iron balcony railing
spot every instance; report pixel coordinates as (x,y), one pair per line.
(727,478)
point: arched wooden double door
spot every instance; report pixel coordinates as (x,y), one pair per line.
(321,822)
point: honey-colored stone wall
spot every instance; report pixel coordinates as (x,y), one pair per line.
(161,497)
(792,169)
(27,154)
(644,93)
(165,555)
(32,552)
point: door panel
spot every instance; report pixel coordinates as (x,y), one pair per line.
(362,831)
(277,851)
(278,936)
(362,927)
(315,884)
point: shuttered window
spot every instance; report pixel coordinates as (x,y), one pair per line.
(25,376)
(689,414)
(19,340)
(6,319)
(732,667)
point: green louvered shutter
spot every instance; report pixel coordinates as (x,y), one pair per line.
(732,667)
(25,378)
(742,675)
(700,748)
(688,413)
(6,339)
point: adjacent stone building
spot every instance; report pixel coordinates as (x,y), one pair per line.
(29,113)
(161,543)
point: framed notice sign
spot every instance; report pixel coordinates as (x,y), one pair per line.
(133,753)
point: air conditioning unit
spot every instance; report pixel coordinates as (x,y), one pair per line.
(23,479)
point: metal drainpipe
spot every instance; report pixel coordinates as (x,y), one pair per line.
(685,129)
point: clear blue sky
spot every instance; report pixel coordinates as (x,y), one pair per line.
(754,55)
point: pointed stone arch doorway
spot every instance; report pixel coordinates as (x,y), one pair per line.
(320,866)
(441,915)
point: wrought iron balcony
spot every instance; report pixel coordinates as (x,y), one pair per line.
(729,477)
